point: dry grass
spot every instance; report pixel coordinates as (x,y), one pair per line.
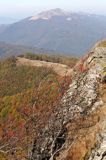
(61,69)
(102,44)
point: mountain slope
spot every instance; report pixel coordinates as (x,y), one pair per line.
(48,117)
(20,87)
(3,27)
(58,30)
(75,125)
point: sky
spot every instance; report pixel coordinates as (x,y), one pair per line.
(24,8)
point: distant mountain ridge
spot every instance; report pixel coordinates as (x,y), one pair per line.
(56,29)
(7,50)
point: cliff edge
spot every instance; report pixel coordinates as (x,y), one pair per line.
(76,129)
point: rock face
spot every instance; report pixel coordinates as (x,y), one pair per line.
(76,128)
(100,153)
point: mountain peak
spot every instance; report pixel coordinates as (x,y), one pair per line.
(49,14)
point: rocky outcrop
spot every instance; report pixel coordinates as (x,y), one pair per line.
(99,152)
(74,130)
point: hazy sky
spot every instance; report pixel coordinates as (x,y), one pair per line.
(24,8)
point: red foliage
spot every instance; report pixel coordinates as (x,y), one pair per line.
(82,68)
(21,124)
(10,133)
